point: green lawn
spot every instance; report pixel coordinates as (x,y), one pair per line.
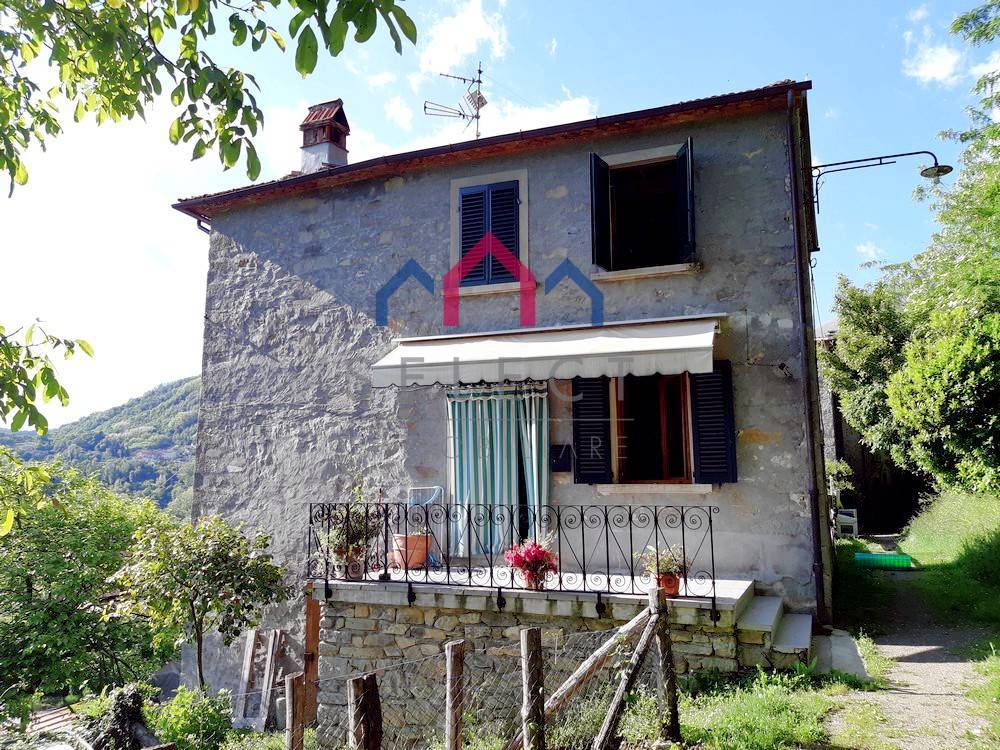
(956,542)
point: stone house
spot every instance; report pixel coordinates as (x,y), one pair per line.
(597,333)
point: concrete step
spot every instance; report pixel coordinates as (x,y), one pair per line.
(762,614)
(839,651)
(794,634)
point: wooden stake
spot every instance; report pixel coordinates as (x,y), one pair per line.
(267,686)
(454,653)
(532,688)
(295,726)
(603,739)
(670,730)
(246,676)
(364,713)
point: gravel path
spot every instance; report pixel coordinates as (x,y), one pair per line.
(925,705)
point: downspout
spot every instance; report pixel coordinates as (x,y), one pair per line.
(818,568)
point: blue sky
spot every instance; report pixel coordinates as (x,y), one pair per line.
(126,272)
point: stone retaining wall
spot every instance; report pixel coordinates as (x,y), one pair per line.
(363,630)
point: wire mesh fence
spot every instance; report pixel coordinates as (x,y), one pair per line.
(405,705)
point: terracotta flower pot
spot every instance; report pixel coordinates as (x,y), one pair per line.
(410,550)
(668,583)
(350,563)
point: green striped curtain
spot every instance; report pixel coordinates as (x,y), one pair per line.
(486,425)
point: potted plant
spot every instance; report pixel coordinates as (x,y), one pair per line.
(410,550)
(534,560)
(666,566)
(347,540)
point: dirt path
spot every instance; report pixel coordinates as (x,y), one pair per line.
(925,707)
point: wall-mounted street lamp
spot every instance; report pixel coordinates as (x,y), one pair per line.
(933,172)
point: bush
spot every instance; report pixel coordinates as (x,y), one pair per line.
(193,720)
(247,739)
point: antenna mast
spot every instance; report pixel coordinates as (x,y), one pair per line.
(474,99)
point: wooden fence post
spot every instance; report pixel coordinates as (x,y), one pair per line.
(311,655)
(532,686)
(364,713)
(670,730)
(295,725)
(454,652)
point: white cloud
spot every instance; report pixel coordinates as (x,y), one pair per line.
(918,14)
(399,112)
(990,65)
(934,63)
(831,113)
(873,227)
(870,251)
(553,45)
(454,38)
(381,79)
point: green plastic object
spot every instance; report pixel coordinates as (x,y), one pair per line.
(882,560)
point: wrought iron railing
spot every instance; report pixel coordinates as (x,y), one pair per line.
(596,547)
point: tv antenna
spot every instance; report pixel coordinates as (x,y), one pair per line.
(474,101)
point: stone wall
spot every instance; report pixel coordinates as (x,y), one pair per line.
(367,628)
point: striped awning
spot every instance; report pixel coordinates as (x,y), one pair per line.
(665,346)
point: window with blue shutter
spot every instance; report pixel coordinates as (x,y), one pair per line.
(489,208)
(591,431)
(713,425)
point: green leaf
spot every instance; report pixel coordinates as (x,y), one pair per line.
(296,23)
(18,422)
(8,522)
(177,95)
(306,52)
(85,345)
(366,24)
(253,163)
(231,153)
(200,148)
(175,131)
(396,41)
(20,172)
(406,24)
(277,38)
(338,34)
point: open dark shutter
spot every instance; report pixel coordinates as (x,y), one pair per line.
(713,425)
(503,211)
(591,431)
(600,211)
(685,203)
(472,213)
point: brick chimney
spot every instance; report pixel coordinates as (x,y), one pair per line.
(324,136)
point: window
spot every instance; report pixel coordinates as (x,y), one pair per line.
(655,429)
(642,209)
(493,209)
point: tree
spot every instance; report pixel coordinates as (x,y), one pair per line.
(946,394)
(53,584)
(112,59)
(199,579)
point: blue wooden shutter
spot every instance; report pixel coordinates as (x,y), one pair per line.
(503,202)
(591,431)
(713,425)
(600,211)
(685,203)
(473,219)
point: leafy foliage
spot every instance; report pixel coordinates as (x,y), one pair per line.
(27,374)
(114,58)
(193,720)
(144,447)
(946,394)
(53,584)
(198,579)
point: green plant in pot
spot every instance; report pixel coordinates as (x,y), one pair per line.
(667,565)
(410,549)
(351,531)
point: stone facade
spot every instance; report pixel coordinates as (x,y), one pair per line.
(288,412)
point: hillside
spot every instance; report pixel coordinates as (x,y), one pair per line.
(143,447)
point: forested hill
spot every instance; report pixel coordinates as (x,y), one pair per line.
(143,447)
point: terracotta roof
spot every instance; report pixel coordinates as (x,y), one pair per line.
(205,206)
(327,112)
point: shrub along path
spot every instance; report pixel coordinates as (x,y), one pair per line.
(925,706)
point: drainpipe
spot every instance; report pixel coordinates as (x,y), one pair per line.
(819,573)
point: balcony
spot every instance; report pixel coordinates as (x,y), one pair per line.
(595,549)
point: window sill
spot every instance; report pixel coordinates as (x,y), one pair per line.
(508,287)
(650,272)
(654,489)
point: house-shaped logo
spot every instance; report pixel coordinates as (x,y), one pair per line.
(489,247)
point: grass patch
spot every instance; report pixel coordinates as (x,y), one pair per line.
(860,595)
(877,664)
(987,695)
(863,727)
(956,542)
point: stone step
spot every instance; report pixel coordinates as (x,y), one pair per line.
(762,614)
(794,634)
